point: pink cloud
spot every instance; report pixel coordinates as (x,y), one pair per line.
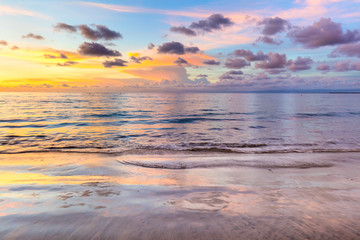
(324,32)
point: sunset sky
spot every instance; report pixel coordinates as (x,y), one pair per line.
(211,46)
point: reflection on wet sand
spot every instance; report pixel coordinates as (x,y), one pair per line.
(92,196)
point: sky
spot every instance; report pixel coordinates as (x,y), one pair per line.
(179,46)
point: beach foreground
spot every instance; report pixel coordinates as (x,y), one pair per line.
(169,195)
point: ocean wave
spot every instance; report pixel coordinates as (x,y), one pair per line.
(154,150)
(224,164)
(326,114)
(108,114)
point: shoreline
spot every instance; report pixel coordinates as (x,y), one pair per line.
(93,196)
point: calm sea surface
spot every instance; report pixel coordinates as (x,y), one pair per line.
(117,123)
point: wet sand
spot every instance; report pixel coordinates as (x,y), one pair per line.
(180,196)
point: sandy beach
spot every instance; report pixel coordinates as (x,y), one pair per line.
(180,196)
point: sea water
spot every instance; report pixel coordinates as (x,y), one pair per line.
(213,122)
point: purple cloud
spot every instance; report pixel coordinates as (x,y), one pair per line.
(140,59)
(67,64)
(201,80)
(346,66)
(183,30)
(323,33)
(172,48)
(192,49)
(323,67)
(235,72)
(151,46)
(61,55)
(34,36)
(350,50)
(202,76)
(342,66)
(101,32)
(65,27)
(268,40)
(214,22)
(272,26)
(300,64)
(231,75)
(355,66)
(117,62)
(275,61)
(180,61)
(225,77)
(176,48)
(211,62)
(250,56)
(96,49)
(236,63)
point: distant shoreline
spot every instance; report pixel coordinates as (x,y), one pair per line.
(344,92)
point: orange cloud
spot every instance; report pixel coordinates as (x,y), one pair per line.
(17,11)
(122,8)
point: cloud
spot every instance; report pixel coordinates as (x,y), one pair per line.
(151,46)
(211,62)
(202,75)
(225,77)
(45,85)
(67,63)
(236,63)
(140,59)
(101,32)
(300,64)
(229,79)
(249,55)
(16,11)
(180,61)
(232,75)
(176,48)
(123,8)
(323,33)
(183,30)
(272,26)
(355,66)
(96,33)
(172,48)
(274,61)
(96,49)
(214,22)
(3,42)
(346,66)
(323,67)
(201,81)
(342,66)
(116,62)
(61,55)
(268,40)
(14,48)
(31,35)
(65,27)
(235,72)
(350,50)
(192,49)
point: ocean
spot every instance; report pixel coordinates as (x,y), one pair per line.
(179,166)
(216,122)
